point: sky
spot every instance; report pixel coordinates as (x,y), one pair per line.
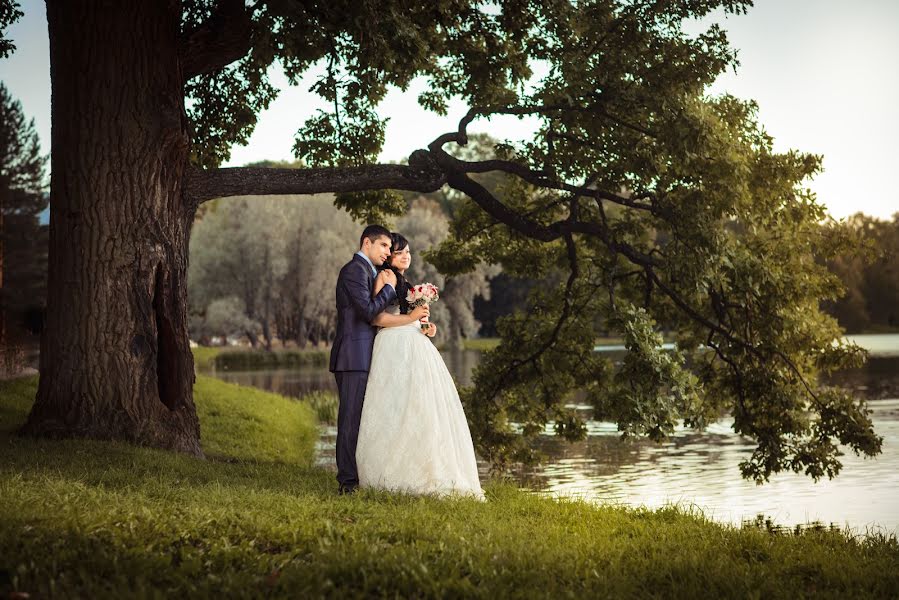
(823,72)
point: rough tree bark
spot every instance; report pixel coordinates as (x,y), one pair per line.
(115,360)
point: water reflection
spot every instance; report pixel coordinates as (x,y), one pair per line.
(878,379)
(299,381)
(701,470)
(295,383)
(693,469)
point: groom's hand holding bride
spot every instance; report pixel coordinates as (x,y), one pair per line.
(388,277)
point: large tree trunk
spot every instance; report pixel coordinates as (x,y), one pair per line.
(115,360)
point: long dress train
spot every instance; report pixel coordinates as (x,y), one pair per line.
(413,436)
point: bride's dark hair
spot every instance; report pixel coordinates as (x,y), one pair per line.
(397,243)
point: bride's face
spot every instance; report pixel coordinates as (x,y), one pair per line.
(401,259)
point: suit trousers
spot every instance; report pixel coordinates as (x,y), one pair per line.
(351,388)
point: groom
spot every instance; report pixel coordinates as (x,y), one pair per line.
(351,353)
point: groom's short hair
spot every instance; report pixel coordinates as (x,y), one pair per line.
(373,232)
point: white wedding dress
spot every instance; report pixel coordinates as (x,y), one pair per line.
(413,436)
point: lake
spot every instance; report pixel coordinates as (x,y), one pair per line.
(692,469)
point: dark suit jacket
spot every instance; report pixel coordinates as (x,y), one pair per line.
(355,311)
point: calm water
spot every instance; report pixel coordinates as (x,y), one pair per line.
(694,469)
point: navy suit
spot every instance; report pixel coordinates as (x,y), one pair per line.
(351,356)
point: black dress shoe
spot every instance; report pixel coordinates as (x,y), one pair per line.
(345,490)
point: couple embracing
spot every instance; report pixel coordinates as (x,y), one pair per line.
(400,425)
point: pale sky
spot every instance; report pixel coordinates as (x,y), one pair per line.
(824,74)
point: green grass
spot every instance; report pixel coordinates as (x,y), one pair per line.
(100,519)
(245,423)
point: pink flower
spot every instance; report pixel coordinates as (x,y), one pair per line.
(423,293)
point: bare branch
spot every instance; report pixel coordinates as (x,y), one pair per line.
(458,179)
(220,40)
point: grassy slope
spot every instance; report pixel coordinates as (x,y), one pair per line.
(97,519)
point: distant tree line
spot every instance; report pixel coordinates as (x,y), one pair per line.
(264,269)
(23,240)
(870,275)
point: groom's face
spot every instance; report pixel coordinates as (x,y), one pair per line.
(378,251)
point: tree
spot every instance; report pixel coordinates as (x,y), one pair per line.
(129,170)
(881,283)
(850,309)
(660,205)
(23,250)
(713,232)
(463,292)
(870,275)
(275,257)
(224,317)
(239,249)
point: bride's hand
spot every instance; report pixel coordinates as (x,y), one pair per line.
(431,330)
(420,312)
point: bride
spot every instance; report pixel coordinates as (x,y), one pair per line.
(413,436)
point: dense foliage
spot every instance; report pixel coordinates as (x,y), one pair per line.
(650,202)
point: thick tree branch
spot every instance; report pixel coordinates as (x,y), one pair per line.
(246,181)
(220,40)
(537,178)
(458,179)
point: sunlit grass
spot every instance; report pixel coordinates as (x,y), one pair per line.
(204,356)
(246,423)
(101,519)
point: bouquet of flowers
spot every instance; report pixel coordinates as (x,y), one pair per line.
(421,295)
